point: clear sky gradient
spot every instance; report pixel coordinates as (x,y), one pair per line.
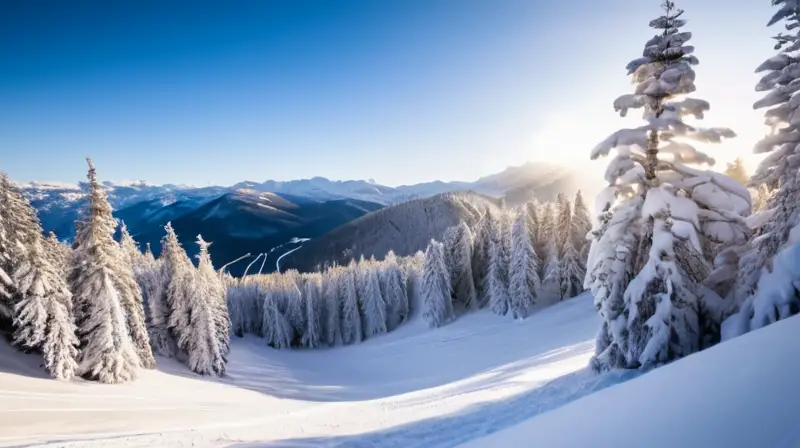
(400,91)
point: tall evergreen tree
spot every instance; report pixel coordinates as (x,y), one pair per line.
(6,302)
(148,276)
(58,253)
(534,224)
(437,302)
(295,311)
(480,258)
(551,263)
(312,337)
(458,257)
(168,316)
(19,230)
(352,332)
(498,267)
(651,256)
(394,290)
(523,271)
(130,248)
(210,297)
(130,297)
(571,273)
(563,226)
(107,353)
(37,290)
(331,280)
(581,225)
(373,306)
(545,242)
(277,329)
(778,171)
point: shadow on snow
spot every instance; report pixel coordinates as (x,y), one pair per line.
(476,421)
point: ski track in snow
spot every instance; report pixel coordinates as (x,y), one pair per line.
(414,387)
(278,261)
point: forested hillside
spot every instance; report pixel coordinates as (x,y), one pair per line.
(404,228)
(248,221)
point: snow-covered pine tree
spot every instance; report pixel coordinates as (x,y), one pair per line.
(458,256)
(212,294)
(394,291)
(563,224)
(333,305)
(130,296)
(414,267)
(42,317)
(42,303)
(437,302)
(148,276)
(570,267)
(19,227)
(295,303)
(352,332)
(130,248)
(571,272)
(199,341)
(6,301)
(277,330)
(523,271)
(545,242)
(373,306)
(551,263)
(778,171)
(650,259)
(534,227)
(480,258)
(58,253)
(581,226)
(312,299)
(497,279)
(169,311)
(107,353)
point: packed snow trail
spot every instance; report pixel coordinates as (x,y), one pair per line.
(414,387)
(741,393)
(278,261)
(483,380)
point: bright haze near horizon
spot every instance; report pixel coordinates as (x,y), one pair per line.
(401,92)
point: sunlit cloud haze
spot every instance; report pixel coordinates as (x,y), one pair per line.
(400,92)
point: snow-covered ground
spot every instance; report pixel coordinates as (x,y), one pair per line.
(481,375)
(742,393)
(412,387)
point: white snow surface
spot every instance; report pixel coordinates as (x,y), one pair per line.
(278,261)
(413,387)
(483,380)
(741,393)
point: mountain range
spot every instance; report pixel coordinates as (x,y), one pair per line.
(259,217)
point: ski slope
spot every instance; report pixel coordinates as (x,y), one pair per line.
(483,380)
(414,387)
(742,393)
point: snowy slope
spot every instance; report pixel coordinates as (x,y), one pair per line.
(742,393)
(483,380)
(412,388)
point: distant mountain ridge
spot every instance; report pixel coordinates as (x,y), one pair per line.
(530,178)
(257,216)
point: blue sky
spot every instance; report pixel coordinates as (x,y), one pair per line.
(400,91)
